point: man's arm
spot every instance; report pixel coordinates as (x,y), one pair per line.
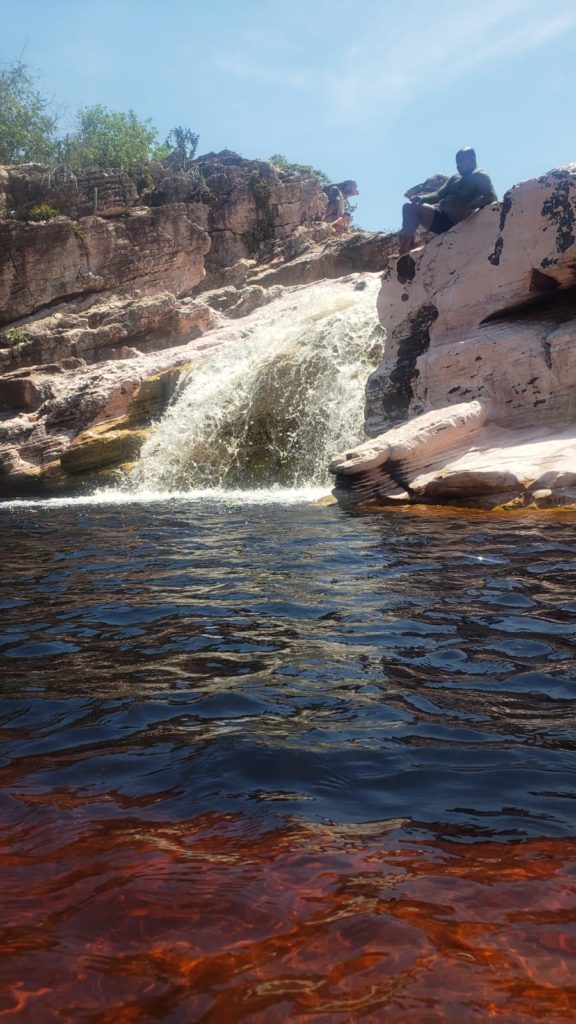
(434,197)
(486,190)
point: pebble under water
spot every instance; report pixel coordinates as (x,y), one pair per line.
(275,763)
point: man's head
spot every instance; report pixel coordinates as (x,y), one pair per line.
(466,160)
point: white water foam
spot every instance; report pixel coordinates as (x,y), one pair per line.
(219,495)
(272,406)
(260,415)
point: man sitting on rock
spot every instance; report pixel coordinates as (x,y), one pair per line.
(439,211)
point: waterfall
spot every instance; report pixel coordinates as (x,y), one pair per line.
(274,398)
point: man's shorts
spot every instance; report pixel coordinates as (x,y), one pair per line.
(440,223)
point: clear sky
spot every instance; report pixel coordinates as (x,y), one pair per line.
(384,91)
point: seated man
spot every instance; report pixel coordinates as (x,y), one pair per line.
(439,211)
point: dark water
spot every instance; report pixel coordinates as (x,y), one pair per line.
(265,763)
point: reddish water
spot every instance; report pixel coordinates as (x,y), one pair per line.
(127,919)
(286,767)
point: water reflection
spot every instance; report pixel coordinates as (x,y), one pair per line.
(282,764)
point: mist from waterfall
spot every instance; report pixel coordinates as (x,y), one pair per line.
(269,406)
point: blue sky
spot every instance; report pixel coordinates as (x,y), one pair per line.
(378,90)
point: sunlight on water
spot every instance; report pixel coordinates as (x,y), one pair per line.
(220,495)
(267,763)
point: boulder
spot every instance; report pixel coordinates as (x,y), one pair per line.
(105,444)
(16,475)
(315,254)
(485,320)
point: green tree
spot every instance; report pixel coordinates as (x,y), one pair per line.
(27,123)
(107,138)
(183,143)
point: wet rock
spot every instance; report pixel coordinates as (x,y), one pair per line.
(252,298)
(16,475)
(110,443)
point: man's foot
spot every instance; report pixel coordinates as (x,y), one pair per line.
(406,244)
(405,268)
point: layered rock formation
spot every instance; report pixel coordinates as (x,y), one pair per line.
(150,250)
(104,303)
(475,401)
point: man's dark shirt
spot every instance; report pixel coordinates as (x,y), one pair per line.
(462,194)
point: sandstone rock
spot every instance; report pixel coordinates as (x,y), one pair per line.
(415,442)
(469,462)
(154,250)
(22,391)
(237,273)
(106,444)
(222,298)
(250,203)
(16,475)
(253,297)
(98,330)
(486,322)
(477,321)
(74,194)
(137,390)
(358,252)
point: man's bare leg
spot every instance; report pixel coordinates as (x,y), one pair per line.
(414,215)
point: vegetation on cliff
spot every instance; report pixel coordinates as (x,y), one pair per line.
(299,170)
(104,138)
(101,138)
(28,121)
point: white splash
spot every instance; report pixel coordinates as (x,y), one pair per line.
(269,407)
(111,497)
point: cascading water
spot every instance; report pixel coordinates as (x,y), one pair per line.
(270,405)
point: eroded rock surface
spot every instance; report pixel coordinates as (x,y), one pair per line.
(485,320)
(151,250)
(79,194)
(130,277)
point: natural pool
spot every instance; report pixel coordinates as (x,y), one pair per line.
(267,762)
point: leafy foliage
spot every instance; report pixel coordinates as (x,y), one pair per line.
(42,211)
(27,124)
(261,189)
(183,142)
(102,137)
(16,336)
(110,139)
(301,170)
